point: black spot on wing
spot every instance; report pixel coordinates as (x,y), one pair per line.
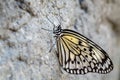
(90,48)
(86,56)
(84,49)
(79,42)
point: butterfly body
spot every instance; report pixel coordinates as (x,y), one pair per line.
(79,55)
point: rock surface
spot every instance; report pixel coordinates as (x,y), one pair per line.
(25,45)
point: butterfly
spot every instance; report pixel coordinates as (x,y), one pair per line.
(79,55)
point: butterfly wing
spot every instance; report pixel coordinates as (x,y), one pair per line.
(79,55)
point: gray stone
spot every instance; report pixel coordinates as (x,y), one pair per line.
(25,45)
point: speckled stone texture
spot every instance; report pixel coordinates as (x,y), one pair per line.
(25,45)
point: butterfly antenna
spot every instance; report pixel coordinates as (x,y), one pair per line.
(48,19)
(59,19)
(51,22)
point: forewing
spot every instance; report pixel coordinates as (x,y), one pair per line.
(79,55)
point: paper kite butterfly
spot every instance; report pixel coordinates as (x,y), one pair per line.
(79,55)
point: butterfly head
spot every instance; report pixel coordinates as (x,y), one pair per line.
(57,30)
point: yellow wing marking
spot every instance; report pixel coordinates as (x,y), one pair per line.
(79,55)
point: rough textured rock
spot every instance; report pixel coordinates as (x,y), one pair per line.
(24,45)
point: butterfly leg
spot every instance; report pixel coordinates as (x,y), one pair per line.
(51,47)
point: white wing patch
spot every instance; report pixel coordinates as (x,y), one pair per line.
(79,55)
